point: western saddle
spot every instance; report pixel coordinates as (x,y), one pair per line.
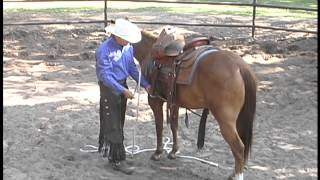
(176,62)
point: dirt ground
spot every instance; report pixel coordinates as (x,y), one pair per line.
(51,97)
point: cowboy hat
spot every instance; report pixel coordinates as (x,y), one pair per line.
(125,30)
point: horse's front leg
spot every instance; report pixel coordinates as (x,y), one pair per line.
(174,128)
(156,106)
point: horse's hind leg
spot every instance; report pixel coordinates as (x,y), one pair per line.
(226,118)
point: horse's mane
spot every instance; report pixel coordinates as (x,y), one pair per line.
(149,34)
(154,33)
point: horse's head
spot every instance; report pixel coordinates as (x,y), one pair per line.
(154,46)
(142,51)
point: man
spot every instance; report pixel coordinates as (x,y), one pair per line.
(114,63)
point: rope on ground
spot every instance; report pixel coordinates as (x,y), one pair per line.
(92,150)
(136,150)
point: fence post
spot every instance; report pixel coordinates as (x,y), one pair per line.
(254,3)
(105,14)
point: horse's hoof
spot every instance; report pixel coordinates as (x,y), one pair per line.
(155,157)
(236,177)
(231,177)
(172,156)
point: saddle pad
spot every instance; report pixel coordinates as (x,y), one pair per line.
(189,57)
(186,75)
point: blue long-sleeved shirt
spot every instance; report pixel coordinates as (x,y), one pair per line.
(115,63)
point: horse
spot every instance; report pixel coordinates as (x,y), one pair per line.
(223,83)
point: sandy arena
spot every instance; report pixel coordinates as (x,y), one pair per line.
(51,104)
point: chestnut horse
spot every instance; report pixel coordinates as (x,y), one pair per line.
(223,83)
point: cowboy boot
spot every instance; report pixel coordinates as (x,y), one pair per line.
(123,167)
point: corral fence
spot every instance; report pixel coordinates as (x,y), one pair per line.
(253,25)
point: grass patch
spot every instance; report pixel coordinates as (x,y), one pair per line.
(264,12)
(180,8)
(219,10)
(188,10)
(55,10)
(293,3)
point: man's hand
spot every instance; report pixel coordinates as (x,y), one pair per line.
(148,89)
(128,94)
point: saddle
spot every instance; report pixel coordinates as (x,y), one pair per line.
(176,62)
(171,44)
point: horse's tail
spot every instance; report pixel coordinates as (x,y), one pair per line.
(247,113)
(202,128)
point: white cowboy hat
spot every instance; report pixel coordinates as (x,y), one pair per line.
(125,30)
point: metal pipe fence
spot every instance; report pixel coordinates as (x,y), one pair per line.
(253,26)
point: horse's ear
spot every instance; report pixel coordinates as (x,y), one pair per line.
(155,34)
(112,21)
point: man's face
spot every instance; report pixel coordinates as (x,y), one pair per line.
(121,41)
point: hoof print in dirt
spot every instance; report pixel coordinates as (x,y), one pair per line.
(69,158)
(24,54)
(42,125)
(51,63)
(44,78)
(85,55)
(92,45)
(293,47)
(52,56)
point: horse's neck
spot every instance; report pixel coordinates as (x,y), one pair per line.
(142,51)
(142,48)
(148,40)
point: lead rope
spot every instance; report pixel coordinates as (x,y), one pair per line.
(137,89)
(135,149)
